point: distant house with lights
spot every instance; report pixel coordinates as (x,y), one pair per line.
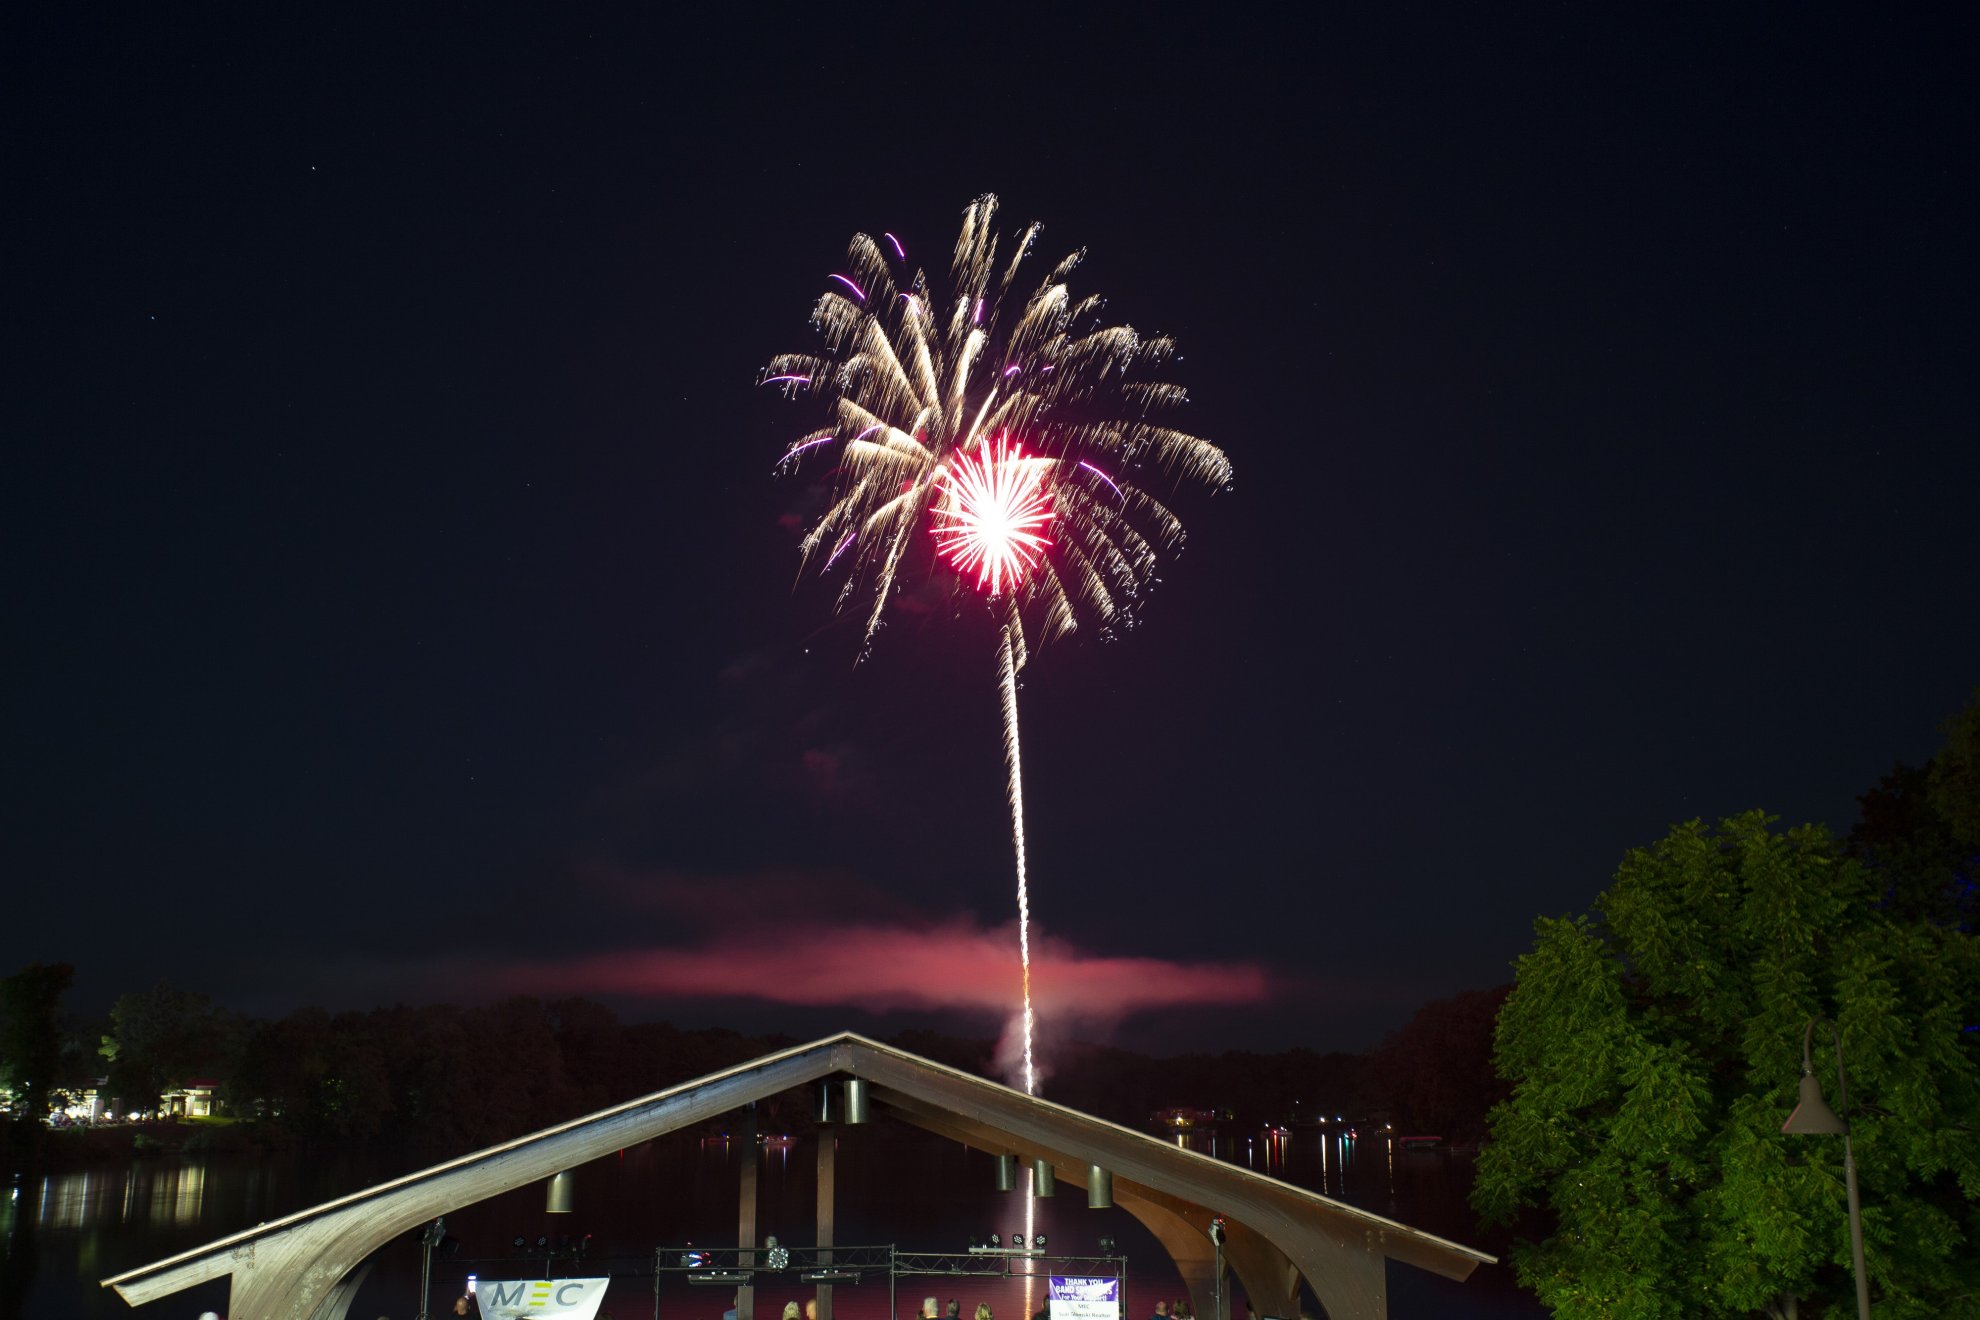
(196,1099)
(1184,1118)
(88,1105)
(94,1104)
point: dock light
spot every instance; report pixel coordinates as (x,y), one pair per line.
(1006,1173)
(826,1110)
(1099,1188)
(856,1101)
(561,1195)
(1813,1117)
(1041,1178)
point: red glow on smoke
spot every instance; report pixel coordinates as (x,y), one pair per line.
(957,965)
(991,515)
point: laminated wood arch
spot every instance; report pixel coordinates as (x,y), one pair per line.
(301,1267)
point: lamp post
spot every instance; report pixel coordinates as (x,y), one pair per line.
(428,1240)
(1813,1117)
(1220,1300)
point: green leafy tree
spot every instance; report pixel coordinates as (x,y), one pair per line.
(1920,830)
(162,1038)
(31,1039)
(1954,784)
(1654,1054)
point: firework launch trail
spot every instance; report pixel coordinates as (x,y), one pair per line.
(1006,429)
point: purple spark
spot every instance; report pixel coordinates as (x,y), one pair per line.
(868,431)
(899,251)
(979,311)
(850,285)
(1104,477)
(795,380)
(809,444)
(843,543)
(1012,370)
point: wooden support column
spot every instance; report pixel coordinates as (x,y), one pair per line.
(746,1211)
(336,1303)
(1271,1284)
(1187,1245)
(828,1177)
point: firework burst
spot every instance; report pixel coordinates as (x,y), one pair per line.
(918,379)
(1006,426)
(991,514)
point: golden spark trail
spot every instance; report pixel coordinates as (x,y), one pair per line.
(998,424)
(1007,653)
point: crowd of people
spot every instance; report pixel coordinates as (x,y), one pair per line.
(933,1309)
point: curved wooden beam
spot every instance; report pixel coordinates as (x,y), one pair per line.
(295,1268)
(1269,1248)
(286,1269)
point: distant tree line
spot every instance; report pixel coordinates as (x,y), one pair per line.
(441,1078)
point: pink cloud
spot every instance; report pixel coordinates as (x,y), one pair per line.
(880,967)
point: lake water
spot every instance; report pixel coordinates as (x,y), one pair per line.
(896,1186)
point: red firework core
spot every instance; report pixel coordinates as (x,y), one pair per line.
(991,514)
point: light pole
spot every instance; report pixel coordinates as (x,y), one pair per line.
(1813,1117)
(1218,1298)
(428,1240)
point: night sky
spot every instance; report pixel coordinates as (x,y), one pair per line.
(401,605)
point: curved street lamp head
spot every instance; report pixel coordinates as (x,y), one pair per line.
(1812,1116)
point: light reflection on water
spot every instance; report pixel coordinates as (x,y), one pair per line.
(919,1191)
(171,1197)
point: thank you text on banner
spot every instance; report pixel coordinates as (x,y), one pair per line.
(1075,1298)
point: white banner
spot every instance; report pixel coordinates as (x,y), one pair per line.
(539,1299)
(1085,1299)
